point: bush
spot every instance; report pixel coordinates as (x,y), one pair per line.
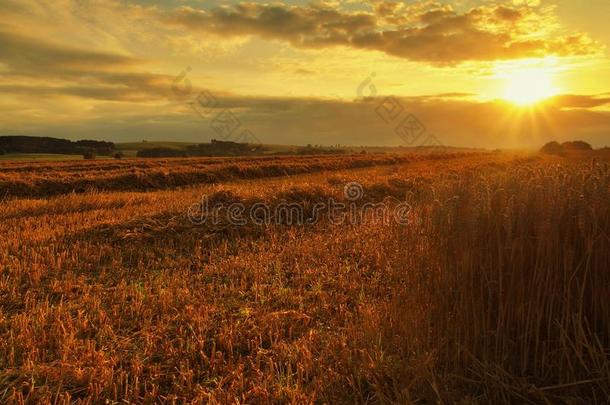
(88,155)
(553,148)
(119,155)
(2,151)
(576,145)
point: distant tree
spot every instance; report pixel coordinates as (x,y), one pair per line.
(119,155)
(98,147)
(88,155)
(35,144)
(2,151)
(161,153)
(552,148)
(576,145)
(32,144)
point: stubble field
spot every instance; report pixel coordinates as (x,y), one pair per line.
(494,290)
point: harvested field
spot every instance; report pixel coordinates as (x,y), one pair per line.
(47,179)
(495,289)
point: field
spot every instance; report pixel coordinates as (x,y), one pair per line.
(492,288)
(41,179)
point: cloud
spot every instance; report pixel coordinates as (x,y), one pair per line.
(301,26)
(305,72)
(30,54)
(579,101)
(453,120)
(438,35)
(107,93)
(71,71)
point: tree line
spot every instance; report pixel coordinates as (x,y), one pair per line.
(34,144)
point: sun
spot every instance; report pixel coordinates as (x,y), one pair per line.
(528,85)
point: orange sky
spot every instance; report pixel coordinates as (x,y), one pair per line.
(467,73)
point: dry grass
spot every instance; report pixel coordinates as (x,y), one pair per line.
(496,292)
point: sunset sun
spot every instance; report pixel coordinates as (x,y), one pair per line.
(529,85)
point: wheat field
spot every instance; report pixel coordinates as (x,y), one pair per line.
(496,289)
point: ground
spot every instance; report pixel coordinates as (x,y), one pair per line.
(492,287)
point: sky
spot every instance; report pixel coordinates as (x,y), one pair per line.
(468,73)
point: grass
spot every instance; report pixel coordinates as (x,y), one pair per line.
(496,291)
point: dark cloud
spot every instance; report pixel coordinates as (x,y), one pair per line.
(439,35)
(508,14)
(451,95)
(107,93)
(90,74)
(306,72)
(386,8)
(301,26)
(26,53)
(452,119)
